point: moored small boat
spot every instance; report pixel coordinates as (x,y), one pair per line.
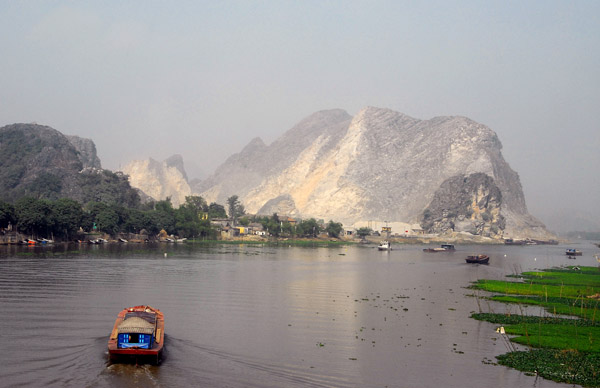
(385,246)
(478,259)
(29,242)
(510,241)
(138,335)
(442,248)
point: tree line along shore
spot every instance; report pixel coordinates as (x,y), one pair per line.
(67,220)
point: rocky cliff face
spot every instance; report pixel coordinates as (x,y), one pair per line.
(378,165)
(466,204)
(160,180)
(86,150)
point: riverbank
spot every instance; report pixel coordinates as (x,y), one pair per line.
(449,238)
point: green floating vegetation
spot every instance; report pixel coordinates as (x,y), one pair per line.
(560,349)
(567,366)
(559,291)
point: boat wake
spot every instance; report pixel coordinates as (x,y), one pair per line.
(210,366)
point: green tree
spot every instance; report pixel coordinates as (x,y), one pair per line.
(197,203)
(164,216)
(33,216)
(334,229)
(134,221)
(7,214)
(309,228)
(216,211)
(270,224)
(105,217)
(364,231)
(107,221)
(67,216)
(235,208)
(286,228)
(187,222)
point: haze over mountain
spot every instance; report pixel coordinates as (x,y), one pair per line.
(160,180)
(378,165)
(202,80)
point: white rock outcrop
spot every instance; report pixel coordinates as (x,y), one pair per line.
(160,180)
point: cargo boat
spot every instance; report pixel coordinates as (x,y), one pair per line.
(478,259)
(138,335)
(573,252)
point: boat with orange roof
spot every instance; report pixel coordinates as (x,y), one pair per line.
(138,335)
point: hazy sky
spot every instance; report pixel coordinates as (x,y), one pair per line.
(151,79)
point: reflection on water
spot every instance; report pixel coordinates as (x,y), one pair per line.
(254,316)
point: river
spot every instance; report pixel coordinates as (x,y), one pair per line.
(261,316)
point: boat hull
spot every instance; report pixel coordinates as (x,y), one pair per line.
(434,250)
(153,354)
(480,259)
(384,246)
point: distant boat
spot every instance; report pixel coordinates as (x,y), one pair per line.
(573,252)
(98,241)
(138,335)
(385,246)
(175,240)
(29,242)
(478,259)
(442,248)
(545,242)
(510,241)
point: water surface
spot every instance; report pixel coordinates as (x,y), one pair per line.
(255,316)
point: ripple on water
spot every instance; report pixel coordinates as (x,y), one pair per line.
(256,316)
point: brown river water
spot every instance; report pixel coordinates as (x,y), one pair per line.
(258,316)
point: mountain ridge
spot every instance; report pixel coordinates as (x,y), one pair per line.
(378,165)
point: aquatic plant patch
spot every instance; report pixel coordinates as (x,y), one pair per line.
(568,366)
(530,287)
(581,307)
(561,349)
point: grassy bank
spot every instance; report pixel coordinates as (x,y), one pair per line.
(560,349)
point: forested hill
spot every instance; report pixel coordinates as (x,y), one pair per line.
(40,162)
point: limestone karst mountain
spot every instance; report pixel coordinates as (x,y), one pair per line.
(378,165)
(41,162)
(160,180)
